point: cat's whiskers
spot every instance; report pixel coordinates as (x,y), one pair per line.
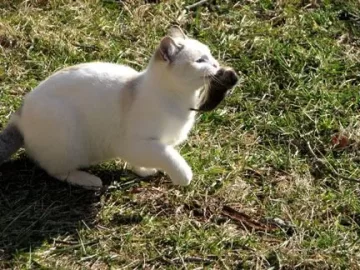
(214,78)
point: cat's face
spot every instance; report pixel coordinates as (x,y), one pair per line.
(188,62)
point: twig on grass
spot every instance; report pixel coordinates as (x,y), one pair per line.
(59,249)
(181,260)
(193,260)
(195,5)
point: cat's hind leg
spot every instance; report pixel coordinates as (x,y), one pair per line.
(80,178)
(55,138)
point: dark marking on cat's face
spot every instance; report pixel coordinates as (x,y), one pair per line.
(224,80)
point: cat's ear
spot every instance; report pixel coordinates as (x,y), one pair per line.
(168,49)
(176,32)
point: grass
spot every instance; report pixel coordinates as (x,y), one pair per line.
(267,192)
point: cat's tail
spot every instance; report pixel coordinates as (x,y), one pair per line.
(11,139)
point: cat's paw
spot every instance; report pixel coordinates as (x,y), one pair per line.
(184,178)
(144,172)
(86,181)
(82,179)
(93,183)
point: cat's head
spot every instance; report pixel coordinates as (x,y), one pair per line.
(184,61)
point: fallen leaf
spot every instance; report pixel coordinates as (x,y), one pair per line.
(245,220)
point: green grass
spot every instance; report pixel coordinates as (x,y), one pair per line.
(267,152)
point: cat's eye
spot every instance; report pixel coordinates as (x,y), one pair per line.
(200,60)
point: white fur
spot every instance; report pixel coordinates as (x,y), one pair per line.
(94,112)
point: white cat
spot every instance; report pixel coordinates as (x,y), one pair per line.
(93,112)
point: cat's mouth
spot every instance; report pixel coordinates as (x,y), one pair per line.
(217,88)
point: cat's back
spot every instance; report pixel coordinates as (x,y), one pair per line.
(81,101)
(90,93)
(96,69)
(84,79)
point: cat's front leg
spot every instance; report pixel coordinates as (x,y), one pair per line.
(154,154)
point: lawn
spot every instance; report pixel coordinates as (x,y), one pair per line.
(276,165)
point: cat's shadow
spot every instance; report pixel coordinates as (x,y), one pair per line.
(35,208)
